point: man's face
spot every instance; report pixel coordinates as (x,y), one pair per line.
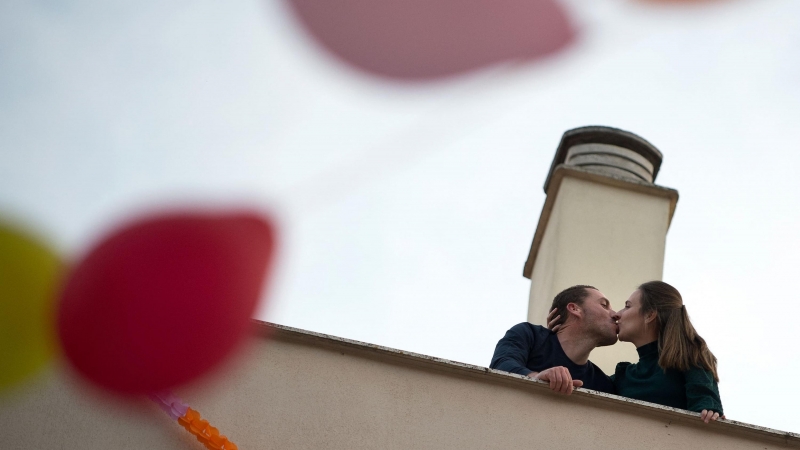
(599,319)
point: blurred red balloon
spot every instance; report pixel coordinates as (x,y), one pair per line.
(165,299)
(425,39)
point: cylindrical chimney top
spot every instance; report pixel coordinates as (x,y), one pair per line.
(608,151)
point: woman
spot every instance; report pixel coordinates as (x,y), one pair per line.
(675,366)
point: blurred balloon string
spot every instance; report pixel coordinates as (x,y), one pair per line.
(190,420)
(170,404)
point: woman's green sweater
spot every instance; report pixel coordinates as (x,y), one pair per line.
(694,389)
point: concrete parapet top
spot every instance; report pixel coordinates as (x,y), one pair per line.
(608,401)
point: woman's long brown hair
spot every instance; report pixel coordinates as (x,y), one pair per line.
(679,345)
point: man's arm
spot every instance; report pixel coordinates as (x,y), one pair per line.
(511,355)
(513,350)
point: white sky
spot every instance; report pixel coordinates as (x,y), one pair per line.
(407,211)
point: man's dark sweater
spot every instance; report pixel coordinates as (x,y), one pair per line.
(530,348)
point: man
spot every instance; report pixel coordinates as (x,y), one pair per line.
(562,357)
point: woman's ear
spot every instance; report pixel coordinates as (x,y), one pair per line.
(650,317)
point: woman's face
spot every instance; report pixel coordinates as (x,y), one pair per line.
(631,321)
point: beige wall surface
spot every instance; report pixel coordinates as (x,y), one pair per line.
(299,390)
(601,235)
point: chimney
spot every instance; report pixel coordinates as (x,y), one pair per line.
(604,223)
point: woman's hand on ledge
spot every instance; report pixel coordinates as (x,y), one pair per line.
(707,415)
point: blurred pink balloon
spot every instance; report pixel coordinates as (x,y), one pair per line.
(428,39)
(679,1)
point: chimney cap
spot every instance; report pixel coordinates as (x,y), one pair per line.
(596,134)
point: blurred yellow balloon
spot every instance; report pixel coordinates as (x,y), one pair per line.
(29,277)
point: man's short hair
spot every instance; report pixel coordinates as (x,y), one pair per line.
(575,294)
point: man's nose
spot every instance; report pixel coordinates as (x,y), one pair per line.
(614,316)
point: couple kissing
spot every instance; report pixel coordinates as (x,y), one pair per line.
(675,366)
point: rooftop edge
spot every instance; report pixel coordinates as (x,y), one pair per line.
(441,364)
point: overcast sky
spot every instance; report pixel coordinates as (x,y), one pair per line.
(407,211)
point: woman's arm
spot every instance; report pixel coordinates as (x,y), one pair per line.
(702,394)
